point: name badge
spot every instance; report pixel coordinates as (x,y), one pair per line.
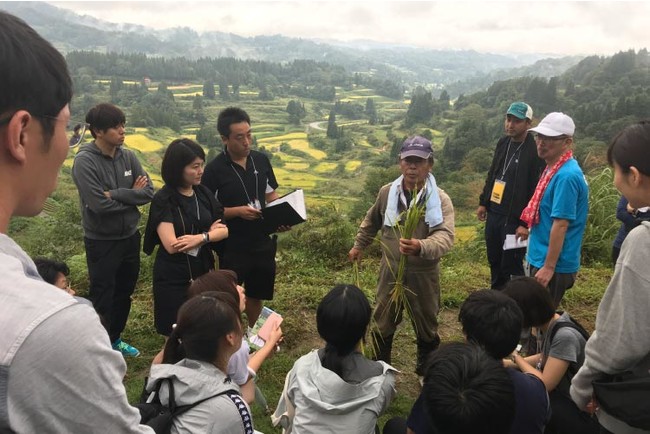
(194,252)
(497,191)
(255,204)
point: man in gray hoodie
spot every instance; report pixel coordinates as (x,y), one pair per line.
(111,184)
(57,371)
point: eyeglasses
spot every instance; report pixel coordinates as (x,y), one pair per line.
(547,139)
(75,130)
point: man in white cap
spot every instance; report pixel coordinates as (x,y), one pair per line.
(557,212)
(432,238)
(509,185)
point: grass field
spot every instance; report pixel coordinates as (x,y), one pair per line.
(302,282)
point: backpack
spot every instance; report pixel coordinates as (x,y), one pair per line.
(161,417)
(573,323)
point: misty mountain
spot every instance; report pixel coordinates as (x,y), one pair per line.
(69,31)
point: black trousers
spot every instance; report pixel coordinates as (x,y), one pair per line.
(113,268)
(503,263)
(567,418)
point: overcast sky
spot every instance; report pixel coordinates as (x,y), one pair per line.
(583,27)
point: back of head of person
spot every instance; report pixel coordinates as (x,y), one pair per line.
(629,155)
(51,270)
(342,320)
(467,391)
(35,89)
(534,300)
(219,281)
(208,329)
(492,320)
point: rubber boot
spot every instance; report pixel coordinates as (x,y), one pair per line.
(382,347)
(424,349)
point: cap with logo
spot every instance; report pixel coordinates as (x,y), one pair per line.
(416,146)
(520,110)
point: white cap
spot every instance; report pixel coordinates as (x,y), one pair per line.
(555,124)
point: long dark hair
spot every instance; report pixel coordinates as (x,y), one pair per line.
(201,324)
(342,319)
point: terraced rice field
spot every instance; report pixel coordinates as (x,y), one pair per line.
(352,165)
(142,143)
(296,166)
(289,180)
(296,141)
(325,167)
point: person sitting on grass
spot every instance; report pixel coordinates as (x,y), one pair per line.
(336,389)
(208,332)
(56,273)
(465,391)
(242,366)
(560,353)
(493,321)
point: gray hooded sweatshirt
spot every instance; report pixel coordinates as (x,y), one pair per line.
(117,217)
(621,341)
(316,400)
(193,381)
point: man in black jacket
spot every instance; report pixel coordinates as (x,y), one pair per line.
(510,183)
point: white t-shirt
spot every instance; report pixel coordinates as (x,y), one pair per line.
(238,364)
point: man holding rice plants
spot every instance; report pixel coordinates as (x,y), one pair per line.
(416,220)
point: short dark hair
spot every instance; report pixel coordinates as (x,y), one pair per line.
(631,147)
(229,116)
(491,320)
(467,391)
(179,154)
(342,320)
(201,323)
(50,269)
(104,116)
(533,299)
(34,75)
(215,280)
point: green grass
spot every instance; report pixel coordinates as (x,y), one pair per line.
(301,283)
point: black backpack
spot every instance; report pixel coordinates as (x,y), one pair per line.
(161,417)
(574,324)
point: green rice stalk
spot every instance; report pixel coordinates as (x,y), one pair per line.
(410,218)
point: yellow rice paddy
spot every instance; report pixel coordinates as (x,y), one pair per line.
(142,143)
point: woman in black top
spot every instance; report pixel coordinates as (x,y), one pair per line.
(184,218)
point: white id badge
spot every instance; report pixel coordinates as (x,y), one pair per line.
(255,204)
(194,252)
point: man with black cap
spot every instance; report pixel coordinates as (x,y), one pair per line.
(510,183)
(432,238)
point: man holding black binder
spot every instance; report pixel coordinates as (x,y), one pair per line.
(243,181)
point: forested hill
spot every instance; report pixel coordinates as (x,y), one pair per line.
(410,65)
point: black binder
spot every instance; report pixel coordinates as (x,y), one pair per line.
(288,210)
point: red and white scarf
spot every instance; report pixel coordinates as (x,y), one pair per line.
(530,214)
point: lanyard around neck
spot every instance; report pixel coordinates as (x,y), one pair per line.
(505,166)
(257,192)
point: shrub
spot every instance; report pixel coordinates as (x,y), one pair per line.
(325,237)
(601,222)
